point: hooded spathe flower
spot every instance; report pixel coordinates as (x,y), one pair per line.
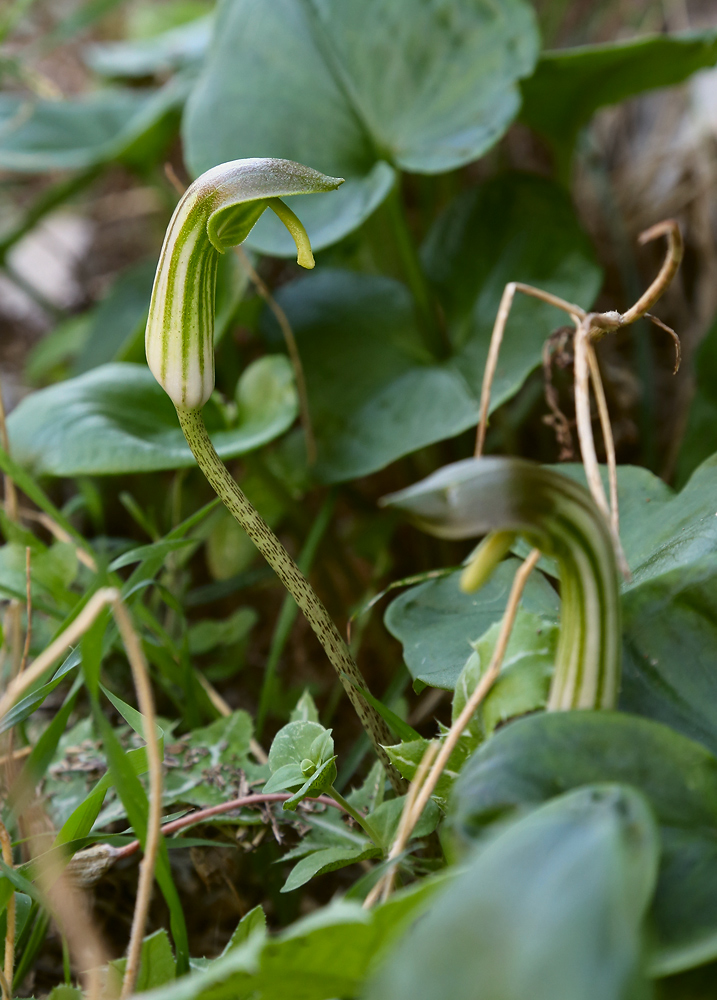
(216,212)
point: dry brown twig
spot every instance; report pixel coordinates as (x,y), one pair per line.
(140,676)
(103,598)
(28,602)
(9,966)
(58,532)
(425,780)
(589,328)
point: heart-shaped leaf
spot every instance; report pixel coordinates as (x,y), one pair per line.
(117,419)
(551,909)
(39,135)
(541,756)
(437,622)
(375,391)
(356,90)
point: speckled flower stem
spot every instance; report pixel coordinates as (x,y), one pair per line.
(258,530)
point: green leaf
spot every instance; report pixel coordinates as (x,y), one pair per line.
(156,964)
(541,756)
(550,909)
(52,571)
(356,91)
(375,392)
(173,49)
(135,802)
(523,683)
(117,419)
(30,488)
(305,709)
(134,718)
(64,992)
(570,85)
(327,954)
(700,439)
(118,322)
(161,548)
(34,768)
(330,859)
(39,135)
(386,817)
(298,740)
(209,634)
(395,723)
(252,922)
(407,756)
(436,622)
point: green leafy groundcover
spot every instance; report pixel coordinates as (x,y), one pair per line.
(117,419)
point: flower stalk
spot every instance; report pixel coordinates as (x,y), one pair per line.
(216,213)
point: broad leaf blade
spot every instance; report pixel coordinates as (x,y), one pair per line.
(551,909)
(117,419)
(354,90)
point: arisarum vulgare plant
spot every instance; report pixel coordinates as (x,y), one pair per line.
(217,212)
(506,497)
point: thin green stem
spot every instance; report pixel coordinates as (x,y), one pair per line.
(415,275)
(355,814)
(317,616)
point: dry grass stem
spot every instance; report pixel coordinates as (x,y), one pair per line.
(292,347)
(74,631)
(9,966)
(145,700)
(28,605)
(58,532)
(496,339)
(71,911)
(670,266)
(9,758)
(590,327)
(384,885)
(608,439)
(416,802)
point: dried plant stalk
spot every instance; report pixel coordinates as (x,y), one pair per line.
(415,803)
(9,965)
(590,327)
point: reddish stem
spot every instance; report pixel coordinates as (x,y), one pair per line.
(201,814)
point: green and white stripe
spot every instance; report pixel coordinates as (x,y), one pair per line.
(217,212)
(558,516)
